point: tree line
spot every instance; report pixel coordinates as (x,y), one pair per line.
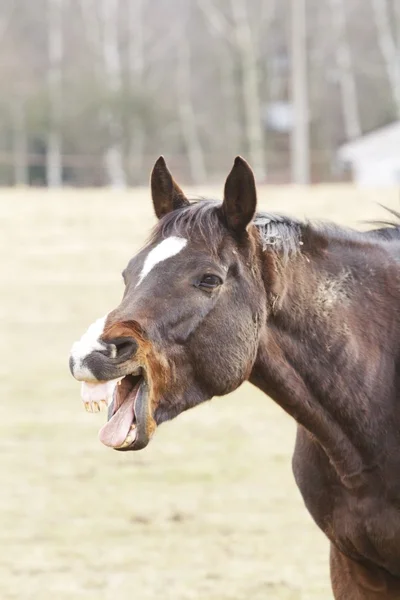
(94,90)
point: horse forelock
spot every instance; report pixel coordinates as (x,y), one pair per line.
(199,219)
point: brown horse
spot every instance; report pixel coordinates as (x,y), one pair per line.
(309,314)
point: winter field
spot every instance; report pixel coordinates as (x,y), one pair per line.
(210,510)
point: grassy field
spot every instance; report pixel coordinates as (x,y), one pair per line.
(209,511)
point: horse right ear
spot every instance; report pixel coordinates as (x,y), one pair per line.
(240,196)
(166,193)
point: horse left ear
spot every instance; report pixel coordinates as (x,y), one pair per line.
(240,196)
(166,193)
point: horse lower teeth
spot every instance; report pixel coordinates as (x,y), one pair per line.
(129,439)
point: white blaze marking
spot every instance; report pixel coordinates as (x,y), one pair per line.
(88,343)
(165,249)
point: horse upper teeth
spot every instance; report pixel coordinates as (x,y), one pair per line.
(94,407)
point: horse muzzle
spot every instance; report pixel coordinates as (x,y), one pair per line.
(108,360)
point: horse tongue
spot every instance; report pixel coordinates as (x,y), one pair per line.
(115,431)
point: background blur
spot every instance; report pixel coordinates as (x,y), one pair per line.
(92,92)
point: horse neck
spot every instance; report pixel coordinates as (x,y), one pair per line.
(323,351)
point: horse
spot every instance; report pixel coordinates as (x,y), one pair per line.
(308,313)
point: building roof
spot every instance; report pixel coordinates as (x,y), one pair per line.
(383,142)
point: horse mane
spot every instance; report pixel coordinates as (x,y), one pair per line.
(280,234)
(387,229)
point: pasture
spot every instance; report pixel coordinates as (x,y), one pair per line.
(210,510)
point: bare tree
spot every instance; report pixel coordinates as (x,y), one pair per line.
(239,35)
(396,9)
(396,18)
(390,52)
(247,54)
(136,72)
(187,115)
(54,73)
(300,135)
(92,28)
(20,141)
(113,155)
(219,28)
(348,89)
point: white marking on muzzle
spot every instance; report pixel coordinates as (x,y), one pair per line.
(88,343)
(165,249)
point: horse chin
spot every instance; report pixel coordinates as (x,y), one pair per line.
(129,413)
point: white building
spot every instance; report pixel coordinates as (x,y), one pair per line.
(374,158)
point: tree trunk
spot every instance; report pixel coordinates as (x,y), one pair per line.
(229,99)
(136,71)
(20,143)
(344,64)
(55,56)
(388,48)
(396,14)
(187,114)
(92,27)
(300,142)
(113,157)
(218,27)
(250,87)
(396,9)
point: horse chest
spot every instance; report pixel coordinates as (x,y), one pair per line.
(363,526)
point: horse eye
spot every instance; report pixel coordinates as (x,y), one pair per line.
(210,282)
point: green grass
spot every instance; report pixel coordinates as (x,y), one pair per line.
(209,511)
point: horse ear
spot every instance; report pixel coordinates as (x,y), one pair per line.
(166,193)
(240,196)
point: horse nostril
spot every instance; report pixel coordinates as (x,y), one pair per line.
(126,347)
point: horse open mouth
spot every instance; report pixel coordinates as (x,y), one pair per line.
(130,423)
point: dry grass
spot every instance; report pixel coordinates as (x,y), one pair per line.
(210,510)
